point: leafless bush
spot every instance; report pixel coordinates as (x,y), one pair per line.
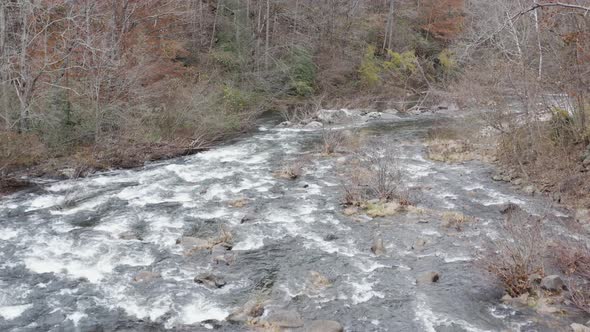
(385,181)
(518,253)
(573,259)
(374,173)
(292,169)
(580,295)
(331,140)
(302,112)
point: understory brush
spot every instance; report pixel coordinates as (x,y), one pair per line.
(573,258)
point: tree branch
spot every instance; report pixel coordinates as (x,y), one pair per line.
(554,4)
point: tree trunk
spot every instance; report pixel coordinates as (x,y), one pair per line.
(267,39)
(388,35)
(4,87)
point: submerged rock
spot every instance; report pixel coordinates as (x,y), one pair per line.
(285,319)
(318,280)
(251,309)
(419,244)
(552,283)
(192,244)
(324,326)
(130,235)
(210,280)
(378,248)
(428,278)
(146,276)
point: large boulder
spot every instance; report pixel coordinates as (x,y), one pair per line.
(324,326)
(552,283)
(285,319)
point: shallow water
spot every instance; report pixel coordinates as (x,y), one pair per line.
(64,267)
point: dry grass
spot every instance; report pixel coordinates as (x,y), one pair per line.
(454,219)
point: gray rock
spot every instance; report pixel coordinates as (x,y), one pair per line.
(378,248)
(146,276)
(68,172)
(517,181)
(552,283)
(428,278)
(332,116)
(285,124)
(226,259)
(330,237)
(247,218)
(536,278)
(314,125)
(374,115)
(586,162)
(285,319)
(497,177)
(324,326)
(579,328)
(210,280)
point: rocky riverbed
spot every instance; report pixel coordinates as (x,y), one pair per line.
(218,241)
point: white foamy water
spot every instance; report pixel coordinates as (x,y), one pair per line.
(14,311)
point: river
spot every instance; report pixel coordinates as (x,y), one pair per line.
(69,250)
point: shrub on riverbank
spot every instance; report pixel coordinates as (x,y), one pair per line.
(517,254)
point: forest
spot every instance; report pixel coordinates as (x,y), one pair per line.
(94,85)
(174,132)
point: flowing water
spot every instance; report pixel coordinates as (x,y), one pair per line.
(65,266)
